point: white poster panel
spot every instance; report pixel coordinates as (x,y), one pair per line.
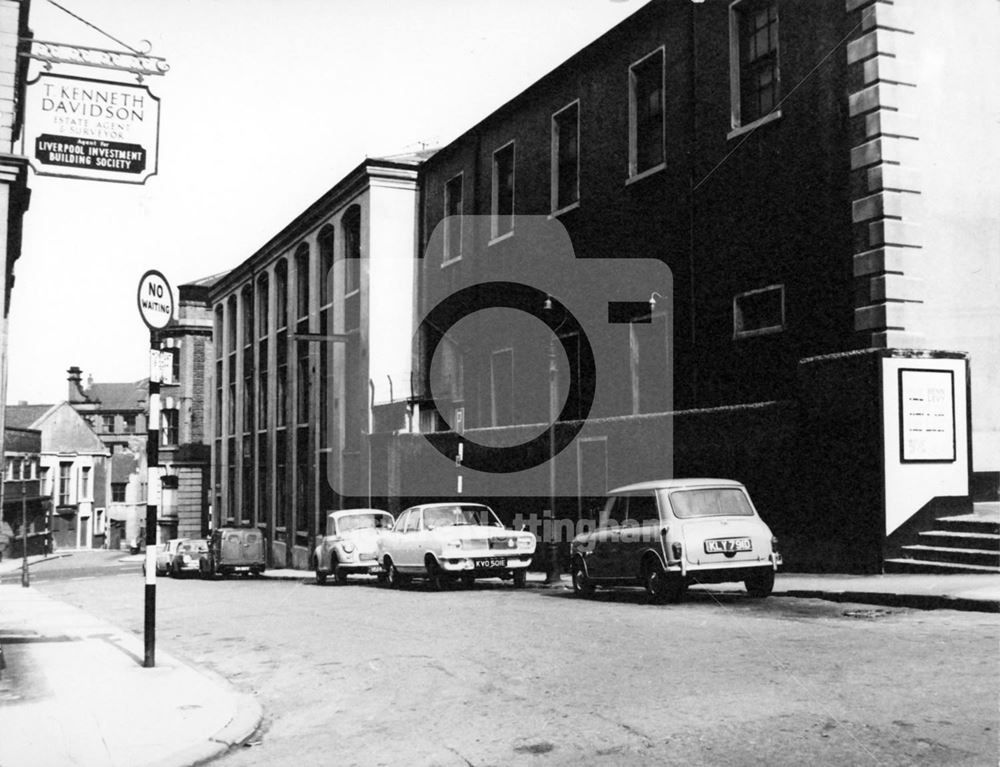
(926,415)
(92,129)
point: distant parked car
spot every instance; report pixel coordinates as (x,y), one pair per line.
(187,557)
(233,550)
(444,542)
(165,553)
(670,533)
(350,546)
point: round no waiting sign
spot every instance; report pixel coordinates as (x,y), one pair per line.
(156,300)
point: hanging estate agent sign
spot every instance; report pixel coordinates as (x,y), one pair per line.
(93,129)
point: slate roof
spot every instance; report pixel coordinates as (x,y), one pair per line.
(23,416)
(119,396)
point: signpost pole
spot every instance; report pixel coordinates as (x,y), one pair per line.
(152,460)
(24,534)
(156,307)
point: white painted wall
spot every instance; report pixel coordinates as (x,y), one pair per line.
(909,486)
(391,275)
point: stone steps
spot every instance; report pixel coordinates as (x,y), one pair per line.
(968,543)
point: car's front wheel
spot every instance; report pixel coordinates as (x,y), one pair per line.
(520,578)
(320,576)
(394,579)
(582,585)
(761,584)
(435,577)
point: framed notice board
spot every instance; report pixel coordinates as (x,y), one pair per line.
(926,416)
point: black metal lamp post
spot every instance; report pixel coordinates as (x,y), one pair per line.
(24,534)
(553,574)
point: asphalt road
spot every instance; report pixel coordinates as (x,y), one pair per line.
(493,676)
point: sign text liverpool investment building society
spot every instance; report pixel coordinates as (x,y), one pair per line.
(92,129)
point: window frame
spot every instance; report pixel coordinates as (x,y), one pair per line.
(634,174)
(737,9)
(352,260)
(508,352)
(554,177)
(169,426)
(495,234)
(448,257)
(740,332)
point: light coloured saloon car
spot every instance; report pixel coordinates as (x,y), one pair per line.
(350,546)
(448,542)
(668,534)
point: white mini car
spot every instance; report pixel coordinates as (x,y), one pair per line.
(444,542)
(670,533)
(350,545)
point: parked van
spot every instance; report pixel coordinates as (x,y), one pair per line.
(233,550)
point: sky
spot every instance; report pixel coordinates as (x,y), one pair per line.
(267,104)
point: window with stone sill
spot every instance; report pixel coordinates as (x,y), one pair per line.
(759,312)
(755,75)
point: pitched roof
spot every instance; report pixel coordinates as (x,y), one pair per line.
(23,416)
(207,281)
(119,396)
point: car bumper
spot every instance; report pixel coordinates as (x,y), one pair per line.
(717,574)
(365,568)
(486,565)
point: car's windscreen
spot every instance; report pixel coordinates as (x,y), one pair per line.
(444,516)
(710,502)
(363,522)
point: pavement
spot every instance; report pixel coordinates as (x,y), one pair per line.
(84,698)
(75,692)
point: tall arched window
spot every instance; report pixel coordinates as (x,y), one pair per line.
(281,294)
(351,225)
(302,282)
(325,241)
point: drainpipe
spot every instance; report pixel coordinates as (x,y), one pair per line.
(692,155)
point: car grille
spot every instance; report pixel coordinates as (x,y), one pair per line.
(504,543)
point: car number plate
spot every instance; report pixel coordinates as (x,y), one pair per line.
(490,563)
(727,545)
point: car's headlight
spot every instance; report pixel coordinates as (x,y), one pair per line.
(347,546)
(525,541)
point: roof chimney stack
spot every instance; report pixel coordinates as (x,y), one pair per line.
(75,393)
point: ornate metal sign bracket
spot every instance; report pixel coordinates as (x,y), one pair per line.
(139,63)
